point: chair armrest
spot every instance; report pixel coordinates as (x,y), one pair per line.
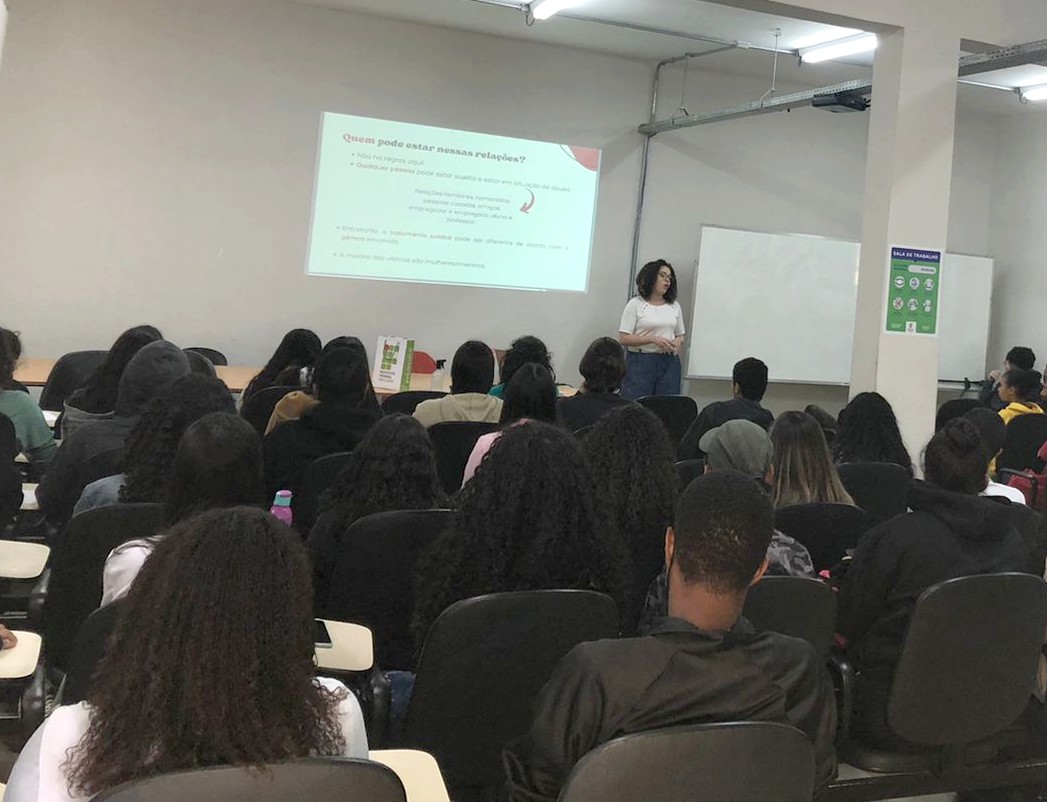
(33,707)
(37,600)
(843,676)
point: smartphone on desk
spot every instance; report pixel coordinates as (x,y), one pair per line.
(321,637)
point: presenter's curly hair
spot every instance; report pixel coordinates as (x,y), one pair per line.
(211,659)
(868,432)
(530,519)
(393,468)
(154,440)
(649,274)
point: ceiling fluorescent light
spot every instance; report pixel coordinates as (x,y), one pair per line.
(543,9)
(1034,93)
(841,48)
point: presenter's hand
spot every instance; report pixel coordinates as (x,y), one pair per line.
(994,376)
(664,345)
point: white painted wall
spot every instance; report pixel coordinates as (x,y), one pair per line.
(156,164)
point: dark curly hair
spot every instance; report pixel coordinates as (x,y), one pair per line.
(603,366)
(153,442)
(649,274)
(211,660)
(392,468)
(521,351)
(98,394)
(298,349)
(530,519)
(868,432)
(10,353)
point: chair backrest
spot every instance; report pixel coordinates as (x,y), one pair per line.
(373,578)
(308,780)
(494,653)
(453,442)
(1025,436)
(77,560)
(320,475)
(828,531)
(953,409)
(407,401)
(259,407)
(731,762)
(104,463)
(213,356)
(879,488)
(198,363)
(69,374)
(687,470)
(795,606)
(969,660)
(422,362)
(677,412)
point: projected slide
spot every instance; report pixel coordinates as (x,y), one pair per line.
(401,202)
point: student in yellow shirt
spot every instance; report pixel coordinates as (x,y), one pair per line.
(1019,391)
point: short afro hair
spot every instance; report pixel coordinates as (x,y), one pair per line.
(603,366)
(750,374)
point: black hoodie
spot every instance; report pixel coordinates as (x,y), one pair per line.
(947,535)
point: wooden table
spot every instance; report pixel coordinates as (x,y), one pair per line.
(34,373)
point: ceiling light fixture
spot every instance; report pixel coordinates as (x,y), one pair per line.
(841,48)
(543,9)
(1032,93)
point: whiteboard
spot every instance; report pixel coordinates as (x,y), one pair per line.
(790,300)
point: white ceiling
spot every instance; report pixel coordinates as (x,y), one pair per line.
(693,17)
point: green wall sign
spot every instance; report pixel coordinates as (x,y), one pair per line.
(912,297)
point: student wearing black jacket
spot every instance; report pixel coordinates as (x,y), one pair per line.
(1017,357)
(750,383)
(951,532)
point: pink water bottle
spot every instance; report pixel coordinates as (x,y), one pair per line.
(281,508)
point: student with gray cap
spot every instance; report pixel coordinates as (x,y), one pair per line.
(743,446)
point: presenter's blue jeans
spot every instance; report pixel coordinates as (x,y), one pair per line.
(650,374)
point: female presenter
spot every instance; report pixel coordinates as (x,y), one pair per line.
(652,332)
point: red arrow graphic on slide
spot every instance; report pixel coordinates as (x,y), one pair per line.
(529,205)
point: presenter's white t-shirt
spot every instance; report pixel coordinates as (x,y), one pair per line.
(646,319)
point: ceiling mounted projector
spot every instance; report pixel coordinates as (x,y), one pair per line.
(841,102)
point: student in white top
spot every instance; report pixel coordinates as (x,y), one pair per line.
(652,331)
(210,663)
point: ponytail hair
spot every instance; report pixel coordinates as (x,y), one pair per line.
(956,458)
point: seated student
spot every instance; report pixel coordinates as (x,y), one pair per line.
(602,368)
(298,349)
(1019,391)
(10,477)
(631,458)
(472,374)
(218,463)
(704,663)
(529,520)
(96,399)
(531,395)
(744,447)
(34,436)
(12,342)
(152,443)
(147,375)
(393,468)
(950,532)
(210,664)
(868,432)
(1018,357)
(803,469)
(347,409)
(749,378)
(993,431)
(521,351)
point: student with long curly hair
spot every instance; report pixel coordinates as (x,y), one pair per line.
(210,663)
(522,351)
(298,349)
(631,458)
(530,519)
(393,468)
(868,432)
(803,468)
(153,442)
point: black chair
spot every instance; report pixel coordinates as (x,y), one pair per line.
(103,464)
(687,470)
(965,673)
(732,762)
(827,531)
(795,606)
(68,375)
(213,356)
(956,408)
(310,780)
(453,442)
(407,401)
(483,662)
(879,488)
(373,579)
(259,407)
(320,475)
(677,412)
(1025,436)
(75,584)
(198,363)
(10,478)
